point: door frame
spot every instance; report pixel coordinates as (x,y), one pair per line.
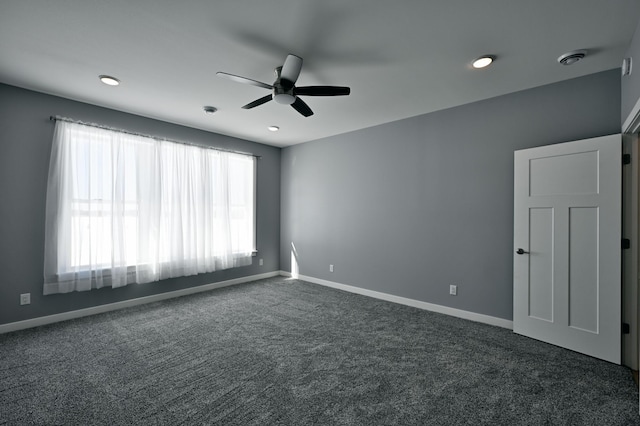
(630,256)
(631,230)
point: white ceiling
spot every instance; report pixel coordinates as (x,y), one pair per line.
(401,58)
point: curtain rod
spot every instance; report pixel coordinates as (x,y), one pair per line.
(101,126)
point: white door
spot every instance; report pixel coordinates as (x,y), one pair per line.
(567,237)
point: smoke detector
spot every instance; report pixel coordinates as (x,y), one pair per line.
(572,57)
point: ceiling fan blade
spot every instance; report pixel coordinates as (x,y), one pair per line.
(302,107)
(258,102)
(244,80)
(291,68)
(322,91)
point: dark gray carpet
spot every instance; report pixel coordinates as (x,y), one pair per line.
(287,352)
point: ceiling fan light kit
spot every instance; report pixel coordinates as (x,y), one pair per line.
(284,90)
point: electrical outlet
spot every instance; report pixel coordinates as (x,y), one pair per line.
(25,299)
(330,268)
(261,262)
(453,290)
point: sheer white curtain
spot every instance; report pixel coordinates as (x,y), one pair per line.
(124,209)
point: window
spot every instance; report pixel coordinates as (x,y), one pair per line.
(124,208)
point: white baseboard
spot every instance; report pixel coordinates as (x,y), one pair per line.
(486,319)
(50,319)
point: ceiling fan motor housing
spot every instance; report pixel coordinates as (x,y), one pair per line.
(283,89)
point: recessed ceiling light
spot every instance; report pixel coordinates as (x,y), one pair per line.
(209,109)
(111,81)
(483,61)
(273,128)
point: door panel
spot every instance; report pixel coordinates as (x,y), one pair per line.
(565,174)
(541,264)
(583,268)
(567,221)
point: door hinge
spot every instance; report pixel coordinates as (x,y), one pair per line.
(625,328)
(626,243)
(626,158)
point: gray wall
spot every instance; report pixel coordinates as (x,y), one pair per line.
(25,146)
(631,83)
(405,208)
(410,207)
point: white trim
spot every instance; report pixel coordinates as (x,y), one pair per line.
(630,282)
(486,319)
(459,313)
(632,123)
(64,316)
(50,319)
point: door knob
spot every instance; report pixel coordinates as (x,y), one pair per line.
(520,251)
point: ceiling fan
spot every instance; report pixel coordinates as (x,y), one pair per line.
(284,90)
